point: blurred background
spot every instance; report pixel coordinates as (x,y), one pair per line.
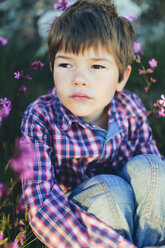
(25,24)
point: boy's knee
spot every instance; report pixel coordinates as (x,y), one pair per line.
(116,187)
(103,186)
(142,172)
(142,166)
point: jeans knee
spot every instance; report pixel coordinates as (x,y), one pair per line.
(101,186)
(119,189)
(137,167)
(144,172)
(142,166)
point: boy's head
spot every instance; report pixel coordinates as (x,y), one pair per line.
(90,23)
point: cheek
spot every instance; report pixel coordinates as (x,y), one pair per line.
(58,80)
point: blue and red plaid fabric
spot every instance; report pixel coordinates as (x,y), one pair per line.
(69,151)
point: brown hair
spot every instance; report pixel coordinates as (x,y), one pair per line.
(88,23)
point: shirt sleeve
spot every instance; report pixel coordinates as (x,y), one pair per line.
(54,219)
(142,131)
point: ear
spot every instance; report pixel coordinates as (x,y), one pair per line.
(124,80)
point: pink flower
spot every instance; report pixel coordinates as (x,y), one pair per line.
(149,70)
(21,206)
(141,72)
(14,244)
(146,89)
(3,190)
(62,5)
(138,59)
(1,236)
(28,77)
(3,41)
(153,63)
(21,237)
(6,108)
(162,100)
(161,112)
(5,102)
(37,65)
(18,74)
(130,17)
(23,160)
(137,48)
(148,113)
(153,80)
(23,88)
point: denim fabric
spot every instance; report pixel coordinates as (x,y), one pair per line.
(133,203)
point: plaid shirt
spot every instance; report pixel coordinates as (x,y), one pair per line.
(69,151)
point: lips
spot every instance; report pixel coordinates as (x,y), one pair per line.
(80,96)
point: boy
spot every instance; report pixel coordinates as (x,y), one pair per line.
(84,194)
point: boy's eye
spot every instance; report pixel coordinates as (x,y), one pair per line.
(97,67)
(64,65)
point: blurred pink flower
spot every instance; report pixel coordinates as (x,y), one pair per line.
(146,89)
(21,206)
(36,65)
(153,80)
(5,102)
(23,88)
(21,223)
(153,63)
(148,113)
(18,74)
(3,41)
(141,72)
(28,77)
(21,237)
(138,59)
(162,100)
(5,109)
(61,5)
(130,17)
(161,112)
(137,48)
(3,190)
(21,163)
(149,70)
(1,236)
(14,244)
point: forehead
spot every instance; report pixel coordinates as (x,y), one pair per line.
(92,52)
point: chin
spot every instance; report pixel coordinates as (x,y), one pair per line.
(80,113)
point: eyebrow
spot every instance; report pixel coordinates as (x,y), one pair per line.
(92,58)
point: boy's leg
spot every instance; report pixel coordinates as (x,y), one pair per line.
(146,175)
(110,199)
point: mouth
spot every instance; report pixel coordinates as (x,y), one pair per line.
(80,96)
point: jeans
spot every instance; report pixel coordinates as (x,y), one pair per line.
(132,203)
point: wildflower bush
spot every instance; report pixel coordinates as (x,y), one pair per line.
(25,76)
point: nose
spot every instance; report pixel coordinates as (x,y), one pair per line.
(79,83)
(80,78)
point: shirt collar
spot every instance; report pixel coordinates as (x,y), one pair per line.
(65,118)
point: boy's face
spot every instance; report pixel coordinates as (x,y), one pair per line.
(86,83)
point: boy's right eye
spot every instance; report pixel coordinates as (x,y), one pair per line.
(64,65)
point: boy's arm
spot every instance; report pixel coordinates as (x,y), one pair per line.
(55,220)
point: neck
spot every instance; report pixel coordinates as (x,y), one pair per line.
(102,119)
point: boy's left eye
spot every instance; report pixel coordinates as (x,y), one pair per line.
(98,67)
(65,65)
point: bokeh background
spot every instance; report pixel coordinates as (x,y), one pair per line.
(26,24)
